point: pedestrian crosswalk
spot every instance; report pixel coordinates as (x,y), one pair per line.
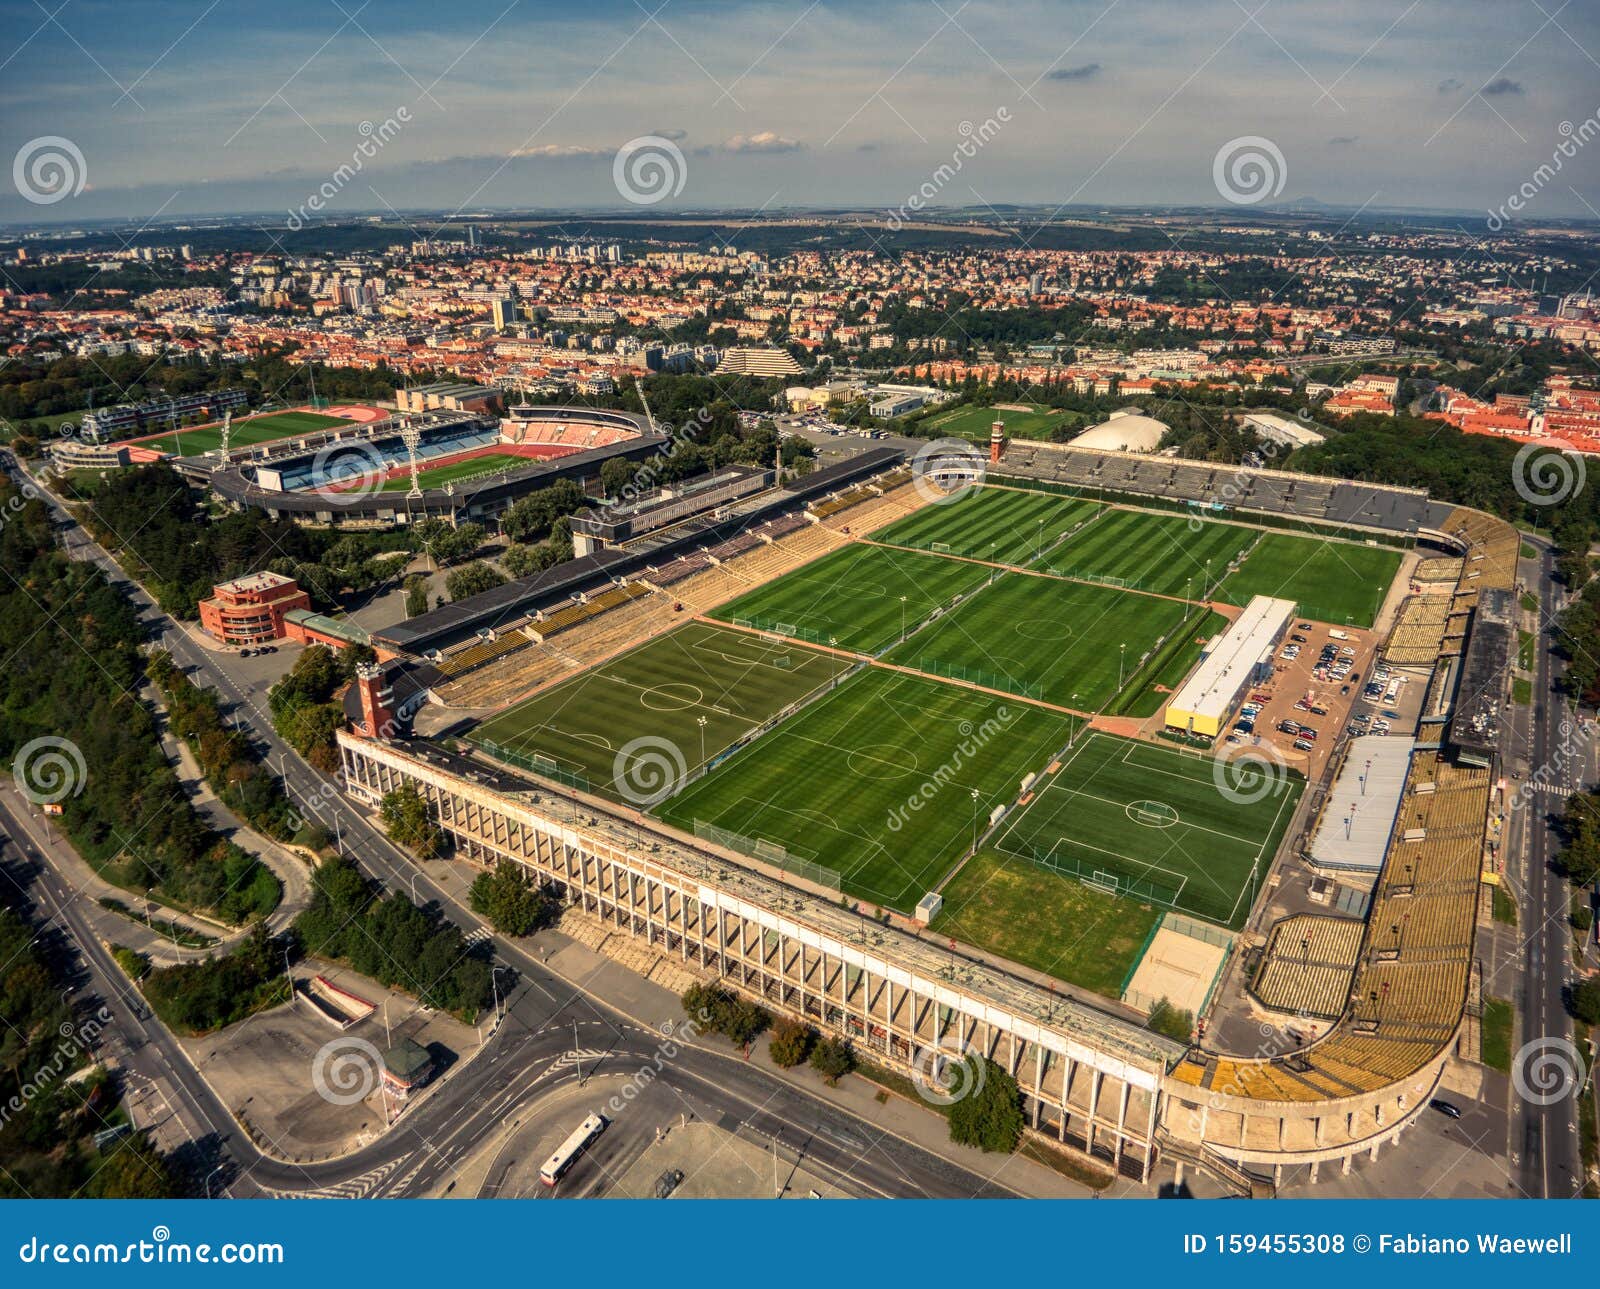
(1552,789)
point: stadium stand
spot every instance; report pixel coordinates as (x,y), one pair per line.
(1307,966)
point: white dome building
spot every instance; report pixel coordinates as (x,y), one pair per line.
(1124,432)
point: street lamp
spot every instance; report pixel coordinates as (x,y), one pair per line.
(494,981)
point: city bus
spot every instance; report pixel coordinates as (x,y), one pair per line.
(570,1149)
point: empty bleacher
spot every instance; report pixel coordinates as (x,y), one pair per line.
(484,652)
(553,623)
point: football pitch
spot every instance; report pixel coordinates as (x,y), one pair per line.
(997,524)
(245,433)
(1331,581)
(883,781)
(439,475)
(1044,638)
(975,422)
(1163,554)
(858,597)
(632,728)
(1152,823)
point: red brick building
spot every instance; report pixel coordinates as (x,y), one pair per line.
(250,610)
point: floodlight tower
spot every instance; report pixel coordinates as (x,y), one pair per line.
(411,436)
(227,432)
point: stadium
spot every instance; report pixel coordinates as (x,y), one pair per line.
(373,468)
(800,737)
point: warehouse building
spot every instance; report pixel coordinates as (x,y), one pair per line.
(1237,659)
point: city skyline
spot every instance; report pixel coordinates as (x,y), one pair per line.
(175,110)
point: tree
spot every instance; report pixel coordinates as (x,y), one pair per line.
(833,1058)
(406,817)
(1585,1001)
(791,1040)
(616,475)
(534,515)
(471,579)
(1166,1019)
(990,1115)
(416,595)
(132,1169)
(508,897)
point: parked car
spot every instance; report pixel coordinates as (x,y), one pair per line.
(1307,732)
(1446,1108)
(1298,639)
(1288,727)
(1318,711)
(1304,626)
(1304,745)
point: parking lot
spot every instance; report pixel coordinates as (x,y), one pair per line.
(1317,683)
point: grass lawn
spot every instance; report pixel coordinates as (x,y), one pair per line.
(1525,641)
(1505,906)
(974,422)
(852,598)
(1498,1016)
(1146,693)
(439,475)
(1331,581)
(875,781)
(1522,691)
(1054,924)
(585,729)
(255,429)
(1044,638)
(990,523)
(1164,554)
(1126,812)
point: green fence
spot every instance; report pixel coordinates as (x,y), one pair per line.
(977,676)
(790,629)
(1102,878)
(536,762)
(768,852)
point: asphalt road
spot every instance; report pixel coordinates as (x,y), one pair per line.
(1545,1136)
(475,1102)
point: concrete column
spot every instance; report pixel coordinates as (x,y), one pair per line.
(1094,1104)
(1122,1119)
(1038,1084)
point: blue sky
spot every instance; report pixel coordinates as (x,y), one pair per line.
(183,108)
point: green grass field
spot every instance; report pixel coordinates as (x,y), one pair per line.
(974,422)
(996,524)
(1143,813)
(852,597)
(875,780)
(257,429)
(1054,924)
(439,475)
(654,697)
(1164,554)
(1044,638)
(1331,581)
(1146,692)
